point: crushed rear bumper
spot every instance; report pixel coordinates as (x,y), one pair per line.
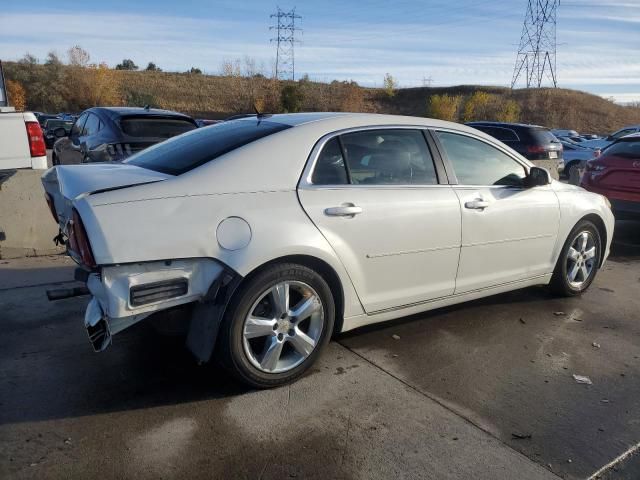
(123,295)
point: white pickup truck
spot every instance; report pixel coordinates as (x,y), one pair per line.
(21,139)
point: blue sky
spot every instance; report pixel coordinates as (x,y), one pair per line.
(462,42)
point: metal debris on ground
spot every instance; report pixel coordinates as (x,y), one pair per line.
(559,314)
(395,337)
(596,345)
(582,379)
(521,436)
(522,321)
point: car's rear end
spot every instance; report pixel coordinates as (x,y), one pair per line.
(139,131)
(616,175)
(540,144)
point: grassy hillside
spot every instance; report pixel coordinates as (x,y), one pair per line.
(65,88)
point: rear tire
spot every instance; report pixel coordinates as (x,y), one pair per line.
(276,325)
(578,262)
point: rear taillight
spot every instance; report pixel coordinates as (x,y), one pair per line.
(119,151)
(536,149)
(52,206)
(36,139)
(79,242)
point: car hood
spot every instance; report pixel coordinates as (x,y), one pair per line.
(66,183)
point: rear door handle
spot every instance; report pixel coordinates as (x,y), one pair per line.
(477,204)
(346,210)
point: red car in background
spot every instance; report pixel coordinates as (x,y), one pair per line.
(616,175)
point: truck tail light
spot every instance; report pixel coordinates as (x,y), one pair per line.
(36,139)
(79,242)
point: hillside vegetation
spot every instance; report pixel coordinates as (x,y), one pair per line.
(56,87)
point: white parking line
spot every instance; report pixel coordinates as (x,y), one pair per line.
(618,459)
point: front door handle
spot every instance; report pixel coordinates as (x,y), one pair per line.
(345,210)
(477,204)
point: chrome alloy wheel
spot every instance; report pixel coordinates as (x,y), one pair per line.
(581,259)
(283,327)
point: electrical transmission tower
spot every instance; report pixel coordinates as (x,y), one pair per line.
(536,60)
(285,29)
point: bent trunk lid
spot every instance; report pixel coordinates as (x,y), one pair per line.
(65,183)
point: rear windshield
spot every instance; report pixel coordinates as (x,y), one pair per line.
(543,135)
(52,124)
(202,145)
(157,127)
(625,149)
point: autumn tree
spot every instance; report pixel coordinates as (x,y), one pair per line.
(152,67)
(389,85)
(127,64)
(17,95)
(78,56)
(444,107)
(476,107)
(291,98)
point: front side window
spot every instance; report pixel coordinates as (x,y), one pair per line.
(477,163)
(76,130)
(92,126)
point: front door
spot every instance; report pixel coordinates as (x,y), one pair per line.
(508,231)
(375,196)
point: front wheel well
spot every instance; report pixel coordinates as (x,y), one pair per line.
(602,230)
(325,270)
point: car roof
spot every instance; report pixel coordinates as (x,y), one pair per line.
(333,121)
(504,124)
(115,113)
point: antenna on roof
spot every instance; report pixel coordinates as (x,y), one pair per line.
(146,107)
(255,109)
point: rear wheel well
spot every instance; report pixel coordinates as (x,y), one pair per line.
(324,270)
(602,230)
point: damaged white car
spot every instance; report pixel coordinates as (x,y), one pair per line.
(266,235)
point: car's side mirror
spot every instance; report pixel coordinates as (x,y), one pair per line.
(60,132)
(537,177)
(610,138)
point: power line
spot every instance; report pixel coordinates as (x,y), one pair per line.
(285,29)
(536,58)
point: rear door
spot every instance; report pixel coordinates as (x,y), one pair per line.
(508,231)
(382,203)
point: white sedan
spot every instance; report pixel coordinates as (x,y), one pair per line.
(264,236)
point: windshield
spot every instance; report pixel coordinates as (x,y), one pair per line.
(624,149)
(543,135)
(188,151)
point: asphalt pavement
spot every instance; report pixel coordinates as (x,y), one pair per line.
(480,390)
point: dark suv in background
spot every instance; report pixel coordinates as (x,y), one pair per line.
(530,141)
(107,134)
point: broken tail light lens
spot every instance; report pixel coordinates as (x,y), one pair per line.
(79,242)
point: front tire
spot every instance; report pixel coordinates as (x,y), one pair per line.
(276,325)
(579,260)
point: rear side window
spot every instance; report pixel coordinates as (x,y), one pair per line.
(155,127)
(542,135)
(201,145)
(624,149)
(389,157)
(330,168)
(478,163)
